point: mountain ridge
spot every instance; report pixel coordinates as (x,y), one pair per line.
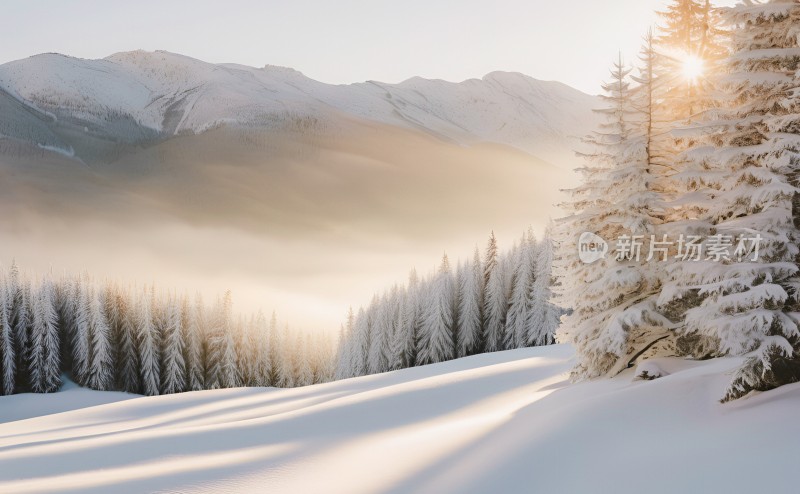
(137,98)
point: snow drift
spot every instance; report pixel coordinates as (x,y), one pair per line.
(502,422)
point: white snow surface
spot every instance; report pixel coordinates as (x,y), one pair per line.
(175,94)
(504,422)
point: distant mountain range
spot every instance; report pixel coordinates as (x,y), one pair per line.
(90,109)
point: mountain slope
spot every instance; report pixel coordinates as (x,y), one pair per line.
(502,422)
(142,97)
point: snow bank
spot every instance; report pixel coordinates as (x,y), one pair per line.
(503,422)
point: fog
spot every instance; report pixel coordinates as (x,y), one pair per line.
(303,224)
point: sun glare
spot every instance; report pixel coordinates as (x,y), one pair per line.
(692,68)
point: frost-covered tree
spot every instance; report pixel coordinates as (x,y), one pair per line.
(543,317)
(382,330)
(613,298)
(520,303)
(468,336)
(262,350)
(80,337)
(100,374)
(121,320)
(411,319)
(8,361)
(222,370)
(22,318)
(43,351)
(148,351)
(302,353)
(495,300)
(276,355)
(399,338)
(437,342)
(193,336)
(360,348)
(743,303)
(173,367)
(344,360)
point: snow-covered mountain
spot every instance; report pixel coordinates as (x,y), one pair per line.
(500,422)
(63,103)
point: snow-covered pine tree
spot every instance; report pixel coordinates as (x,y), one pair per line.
(304,355)
(495,300)
(345,347)
(173,367)
(520,302)
(123,329)
(8,359)
(285,363)
(222,371)
(411,319)
(80,339)
(399,338)
(193,317)
(323,361)
(543,318)
(149,359)
(262,350)
(749,306)
(66,318)
(245,345)
(614,314)
(468,337)
(382,329)
(22,318)
(276,355)
(360,348)
(437,342)
(44,344)
(100,374)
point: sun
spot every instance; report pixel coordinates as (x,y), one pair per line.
(692,67)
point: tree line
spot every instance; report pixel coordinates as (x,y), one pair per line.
(141,340)
(492,302)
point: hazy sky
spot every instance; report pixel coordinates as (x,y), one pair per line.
(346,40)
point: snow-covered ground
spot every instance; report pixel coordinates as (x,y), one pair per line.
(503,422)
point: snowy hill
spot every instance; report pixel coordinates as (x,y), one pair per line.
(503,422)
(142,97)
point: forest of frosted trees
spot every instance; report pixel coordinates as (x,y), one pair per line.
(140,340)
(700,146)
(488,303)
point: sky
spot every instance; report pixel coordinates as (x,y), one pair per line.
(347,40)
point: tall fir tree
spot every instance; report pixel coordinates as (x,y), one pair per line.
(100,374)
(437,343)
(470,308)
(8,360)
(222,370)
(543,317)
(495,301)
(193,336)
(613,298)
(745,302)
(173,366)
(43,352)
(520,303)
(147,345)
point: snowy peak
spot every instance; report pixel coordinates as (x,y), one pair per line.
(136,97)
